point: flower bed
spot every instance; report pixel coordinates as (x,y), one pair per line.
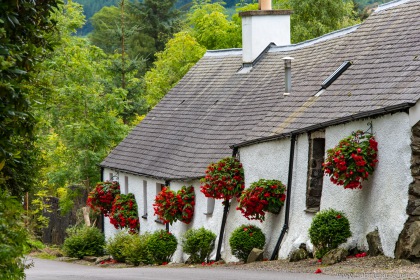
(351,162)
(262,196)
(224,179)
(124,213)
(101,197)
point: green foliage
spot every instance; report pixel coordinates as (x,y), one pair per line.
(84,241)
(212,28)
(244,239)
(13,238)
(25,39)
(136,251)
(329,229)
(115,245)
(162,245)
(312,19)
(198,243)
(79,111)
(180,54)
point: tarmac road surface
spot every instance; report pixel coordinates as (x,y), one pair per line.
(56,270)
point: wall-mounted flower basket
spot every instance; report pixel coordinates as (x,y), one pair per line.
(261,197)
(102,196)
(171,207)
(124,213)
(351,162)
(224,179)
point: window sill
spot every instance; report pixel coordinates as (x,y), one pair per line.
(159,221)
(144,216)
(208,214)
(312,210)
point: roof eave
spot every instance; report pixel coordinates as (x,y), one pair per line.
(373,113)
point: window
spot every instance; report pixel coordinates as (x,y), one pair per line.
(210,206)
(111,175)
(144,199)
(159,188)
(125,184)
(315,172)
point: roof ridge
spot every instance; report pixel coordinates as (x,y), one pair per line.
(322,38)
(391,4)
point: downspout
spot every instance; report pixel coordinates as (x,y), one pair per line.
(167,183)
(102,218)
(225,213)
(288,194)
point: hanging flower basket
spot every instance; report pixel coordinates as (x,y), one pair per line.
(224,179)
(171,207)
(124,213)
(351,162)
(262,196)
(101,197)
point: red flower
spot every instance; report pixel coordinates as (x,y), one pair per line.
(338,216)
(318,271)
(357,159)
(224,179)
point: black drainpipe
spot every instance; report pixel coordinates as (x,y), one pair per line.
(101,217)
(225,213)
(167,184)
(288,193)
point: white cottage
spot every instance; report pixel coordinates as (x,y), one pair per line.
(280,121)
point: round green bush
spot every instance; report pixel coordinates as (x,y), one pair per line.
(162,245)
(244,239)
(135,249)
(198,243)
(114,245)
(328,230)
(84,241)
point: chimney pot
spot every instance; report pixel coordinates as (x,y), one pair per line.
(264,5)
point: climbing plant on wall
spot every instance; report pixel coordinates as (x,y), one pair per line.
(352,161)
(102,196)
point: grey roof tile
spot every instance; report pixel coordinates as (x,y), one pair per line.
(214,107)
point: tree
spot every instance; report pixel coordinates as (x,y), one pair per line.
(81,109)
(25,39)
(313,18)
(211,27)
(160,21)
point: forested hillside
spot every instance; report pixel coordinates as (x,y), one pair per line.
(91,7)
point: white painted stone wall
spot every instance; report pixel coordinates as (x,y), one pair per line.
(380,204)
(383,200)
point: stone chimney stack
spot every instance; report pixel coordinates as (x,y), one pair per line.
(262,27)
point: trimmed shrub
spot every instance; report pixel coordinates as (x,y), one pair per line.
(84,241)
(135,249)
(162,245)
(244,239)
(328,230)
(115,245)
(198,243)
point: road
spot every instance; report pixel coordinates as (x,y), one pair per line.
(53,270)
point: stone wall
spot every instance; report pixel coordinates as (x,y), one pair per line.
(408,244)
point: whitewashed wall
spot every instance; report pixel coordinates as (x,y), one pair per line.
(380,204)
(383,200)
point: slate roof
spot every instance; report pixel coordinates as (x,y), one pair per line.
(213,107)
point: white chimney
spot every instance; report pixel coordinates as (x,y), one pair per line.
(262,27)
